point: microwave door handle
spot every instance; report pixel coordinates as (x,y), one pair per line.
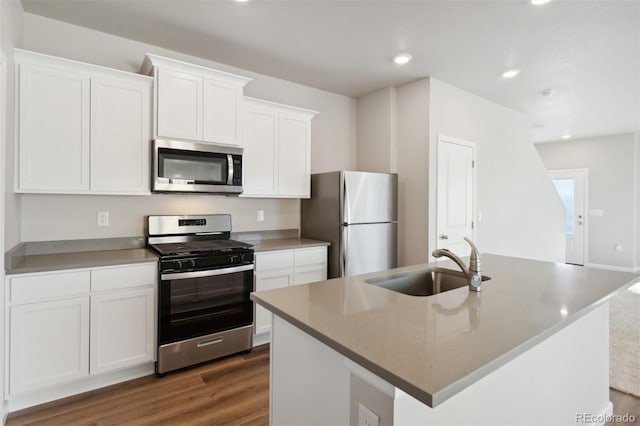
(230,169)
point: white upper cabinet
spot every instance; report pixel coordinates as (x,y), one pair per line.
(277,150)
(82,128)
(194,102)
(260,161)
(120,123)
(222,112)
(294,169)
(54,128)
(179,104)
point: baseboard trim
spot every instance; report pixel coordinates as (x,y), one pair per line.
(611,267)
(41,396)
(261,339)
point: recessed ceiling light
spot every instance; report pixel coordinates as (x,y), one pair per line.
(566,136)
(510,73)
(244,1)
(402,58)
(548,92)
(538,2)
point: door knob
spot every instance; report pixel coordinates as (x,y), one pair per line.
(444,237)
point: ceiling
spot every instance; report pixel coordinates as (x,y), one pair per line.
(588,52)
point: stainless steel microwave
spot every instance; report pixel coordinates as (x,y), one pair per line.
(180,166)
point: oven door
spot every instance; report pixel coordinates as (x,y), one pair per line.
(197,303)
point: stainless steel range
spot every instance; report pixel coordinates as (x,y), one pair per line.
(204,309)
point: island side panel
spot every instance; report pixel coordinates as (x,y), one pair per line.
(561,378)
(309,380)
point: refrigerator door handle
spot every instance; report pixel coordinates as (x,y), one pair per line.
(345,203)
(343,252)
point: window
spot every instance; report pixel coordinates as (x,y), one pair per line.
(565,188)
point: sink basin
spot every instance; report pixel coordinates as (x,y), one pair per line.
(426,282)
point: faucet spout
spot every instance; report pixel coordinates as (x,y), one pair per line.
(472,273)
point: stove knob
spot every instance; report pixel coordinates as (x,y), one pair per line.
(178,264)
(193,263)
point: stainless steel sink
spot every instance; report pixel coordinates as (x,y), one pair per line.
(426,282)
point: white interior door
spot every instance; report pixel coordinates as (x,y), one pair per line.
(455,195)
(571,187)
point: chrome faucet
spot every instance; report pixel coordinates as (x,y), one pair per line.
(472,273)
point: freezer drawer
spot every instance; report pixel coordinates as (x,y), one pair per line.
(369,197)
(368,248)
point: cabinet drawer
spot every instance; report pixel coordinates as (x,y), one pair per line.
(310,274)
(124,277)
(312,256)
(274,260)
(49,286)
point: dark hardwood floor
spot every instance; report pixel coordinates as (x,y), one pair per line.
(230,391)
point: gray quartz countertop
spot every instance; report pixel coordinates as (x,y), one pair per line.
(44,256)
(433,347)
(73,260)
(285,244)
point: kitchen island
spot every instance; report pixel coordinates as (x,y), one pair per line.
(531,348)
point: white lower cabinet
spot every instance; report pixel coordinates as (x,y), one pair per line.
(122,329)
(267,281)
(87,322)
(49,343)
(284,268)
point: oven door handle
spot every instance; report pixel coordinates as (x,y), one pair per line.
(208,273)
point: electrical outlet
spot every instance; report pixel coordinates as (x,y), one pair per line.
(103,218)
(260,216)
(367,417)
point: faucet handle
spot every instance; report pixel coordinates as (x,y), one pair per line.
(474,261)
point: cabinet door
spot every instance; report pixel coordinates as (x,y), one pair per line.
(179,104)
(54,129)
(120,136)
(221,112)
(259,160)
(122,329)
(267,281)
(49,343)
(293,156)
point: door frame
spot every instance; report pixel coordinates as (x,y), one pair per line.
(474,185)
(565,172)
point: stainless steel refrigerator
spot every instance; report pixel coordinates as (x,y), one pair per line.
(358,213)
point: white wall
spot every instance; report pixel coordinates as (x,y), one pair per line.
(11,36)
(522,215)
(612,184)
(375,143)
(46,217)
(68,217)
(413,171)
